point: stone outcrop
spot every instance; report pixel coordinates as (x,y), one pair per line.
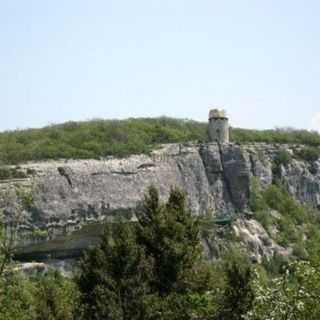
(257,241)
(302,180)
(66,201)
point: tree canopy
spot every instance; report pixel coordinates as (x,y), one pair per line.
(101,138)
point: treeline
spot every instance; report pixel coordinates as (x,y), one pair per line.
(96,138)
(101,138)
(281,135)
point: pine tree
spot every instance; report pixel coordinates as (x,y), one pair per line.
(170,235)
(239,294)
(146,270)
(113,277)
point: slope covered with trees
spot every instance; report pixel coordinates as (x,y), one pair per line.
(100,138)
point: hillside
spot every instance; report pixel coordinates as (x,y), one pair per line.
(255,206)
(99,138)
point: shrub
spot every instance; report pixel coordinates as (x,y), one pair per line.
(55,297)
(17,301)
(11,173)
(310,154)
(256,200)
(282,159)
(293,295)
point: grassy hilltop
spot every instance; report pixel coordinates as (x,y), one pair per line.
(99,138)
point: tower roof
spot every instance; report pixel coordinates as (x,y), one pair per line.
(218,114)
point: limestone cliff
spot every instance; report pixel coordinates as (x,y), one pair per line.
(65,202)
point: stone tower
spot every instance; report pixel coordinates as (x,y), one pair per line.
(218,126)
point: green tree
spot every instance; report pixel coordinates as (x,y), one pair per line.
(11,211)
(150,270)
(170,235)
(294,295)
(55,297)
(238,296)
(16,299)
(282,159)
(113,277)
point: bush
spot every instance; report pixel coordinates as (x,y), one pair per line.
(16,298)
(55,297)
(11,173)
(275,266)
(293,295)
(296,224)
(310,154)
(256,200)
(282,159)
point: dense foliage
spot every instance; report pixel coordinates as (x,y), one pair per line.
(154,269)
(96,138)
(117,271)
(289,222)
(283,135)
(310,154)
(39,297)
(292,295)
(169,235)
(148,270)
(100,138)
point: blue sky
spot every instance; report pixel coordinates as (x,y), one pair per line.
(75,60)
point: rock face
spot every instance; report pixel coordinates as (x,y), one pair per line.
(66,201)
(303,181)
(257,240)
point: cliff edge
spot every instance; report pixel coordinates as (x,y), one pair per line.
(63,204)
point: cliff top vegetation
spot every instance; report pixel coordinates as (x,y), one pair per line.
(100,138)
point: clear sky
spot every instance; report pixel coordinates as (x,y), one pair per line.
(80,59)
